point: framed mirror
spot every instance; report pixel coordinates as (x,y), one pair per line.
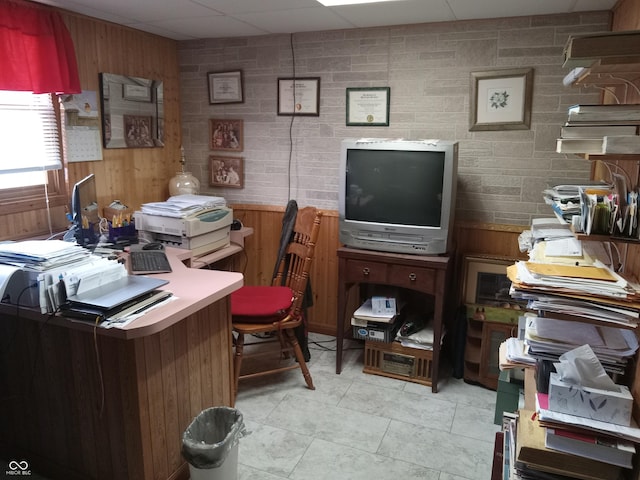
(132,112)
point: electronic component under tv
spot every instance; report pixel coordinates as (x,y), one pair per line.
(398,195)
(85,214)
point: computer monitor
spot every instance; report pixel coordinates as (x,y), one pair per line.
(84,207)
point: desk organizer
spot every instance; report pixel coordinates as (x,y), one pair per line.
(395,361)
(126,232)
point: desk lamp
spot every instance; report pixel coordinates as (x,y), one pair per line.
(183,182)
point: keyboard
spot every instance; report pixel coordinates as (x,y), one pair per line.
(149,261)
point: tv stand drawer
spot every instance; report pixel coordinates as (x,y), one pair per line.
(368,272)
(422,279)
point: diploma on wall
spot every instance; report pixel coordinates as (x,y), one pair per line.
(299,96)
(368,106)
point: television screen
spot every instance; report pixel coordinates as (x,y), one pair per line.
(397,195)
(401,186)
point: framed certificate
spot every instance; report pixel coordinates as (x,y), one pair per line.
(225,87)
(368,107)
(299,96)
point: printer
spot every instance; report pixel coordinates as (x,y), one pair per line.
(204,232)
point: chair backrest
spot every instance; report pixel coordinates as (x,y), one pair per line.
(293,270)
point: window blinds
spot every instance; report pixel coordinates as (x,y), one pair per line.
(29,139)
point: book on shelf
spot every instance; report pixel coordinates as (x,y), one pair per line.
(605,116)
(598,447)
(580,145)
(596,131)
(532,452)
(584,50)
(605,108)
(609,144)
(498,461)
(621,144)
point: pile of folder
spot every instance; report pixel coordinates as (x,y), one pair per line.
(595,283)
(538,446)
(548,338)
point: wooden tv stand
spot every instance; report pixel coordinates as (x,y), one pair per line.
(425,274)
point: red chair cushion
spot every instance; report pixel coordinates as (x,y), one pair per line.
(261,301)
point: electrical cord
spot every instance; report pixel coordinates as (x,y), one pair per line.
(321,347)
(293,115)
(38,349)
(98,364)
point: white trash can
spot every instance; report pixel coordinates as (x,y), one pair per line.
(210,444)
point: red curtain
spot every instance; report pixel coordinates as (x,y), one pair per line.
(36,50)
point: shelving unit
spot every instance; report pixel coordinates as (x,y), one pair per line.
(610,62)
(618,75)
(481,356)
(604,60)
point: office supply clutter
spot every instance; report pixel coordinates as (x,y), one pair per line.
(55,276)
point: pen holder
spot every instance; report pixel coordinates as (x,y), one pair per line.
(126,232)
(89,235)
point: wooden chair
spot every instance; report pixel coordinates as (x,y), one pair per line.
(278,307)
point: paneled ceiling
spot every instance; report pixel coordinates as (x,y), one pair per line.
(192,19)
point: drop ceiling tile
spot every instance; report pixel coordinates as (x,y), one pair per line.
(298,20)
(396,13)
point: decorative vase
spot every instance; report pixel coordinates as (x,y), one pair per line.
(183,183)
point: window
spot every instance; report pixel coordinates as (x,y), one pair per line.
(30,153)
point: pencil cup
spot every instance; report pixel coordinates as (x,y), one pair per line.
(126,232)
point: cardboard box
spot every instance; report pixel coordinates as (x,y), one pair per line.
(593,403)
(374,331)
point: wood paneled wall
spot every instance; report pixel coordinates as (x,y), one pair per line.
(109,408)
(131,175)
(262,247)
(261,251)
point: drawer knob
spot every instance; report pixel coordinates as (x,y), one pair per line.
(366,271)
(412,277)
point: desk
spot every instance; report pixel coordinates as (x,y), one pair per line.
(84,403)
(426,274)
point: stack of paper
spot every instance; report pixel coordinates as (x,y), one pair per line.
(532,456)
(513,354)
(551,418)
(183,206)
(40,255)
(565,307)
(422,339)
(596,280)
(59,268)
(603,448)
(366,313)
(548,338)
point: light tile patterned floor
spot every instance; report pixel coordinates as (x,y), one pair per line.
(358,426)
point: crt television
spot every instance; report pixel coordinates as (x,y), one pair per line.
(397,195)
(84,208)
